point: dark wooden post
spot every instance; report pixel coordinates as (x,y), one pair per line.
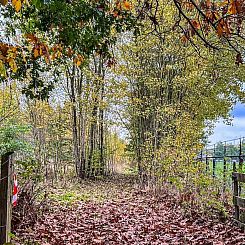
(225,168)
(5,198)
(214,167)
(240,163)
(235,194)
(234,165)
(207,167)
(240,157)
(214,163)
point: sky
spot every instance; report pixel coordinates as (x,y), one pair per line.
(237,129)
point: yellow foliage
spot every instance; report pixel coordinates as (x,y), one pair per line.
(2,69)
(17,5)
(12,64)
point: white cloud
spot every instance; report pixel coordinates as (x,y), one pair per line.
(224,132)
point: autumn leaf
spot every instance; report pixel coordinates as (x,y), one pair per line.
(220,30)
(234,7)
(118,5)
(80,57)
(4,2)
(188,5)
(17,5)
(4,49)
(78,60)
(184,39)
(140,218)
(223,3)
(223,28)
(127,5)
(36,52)
(12,65)
(70,52)
(40,51)
(226,28)
(53,56)
(115,13)
(196,24)
(208,4)
(47,59)
(31,38)
(78,63)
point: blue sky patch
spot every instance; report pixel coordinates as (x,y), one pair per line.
(235,130)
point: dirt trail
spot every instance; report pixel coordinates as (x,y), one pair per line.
(131,218)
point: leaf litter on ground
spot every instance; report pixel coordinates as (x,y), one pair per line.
(125,215)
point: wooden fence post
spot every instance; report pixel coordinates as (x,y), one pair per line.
(214,167)
(224,169)
(207,167)
(238,201)
(214,162)
(240,157)
(5,197)
(235,194)
(234,166)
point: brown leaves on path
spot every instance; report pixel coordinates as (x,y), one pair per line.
(137,219)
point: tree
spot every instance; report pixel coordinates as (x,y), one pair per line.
(173,94)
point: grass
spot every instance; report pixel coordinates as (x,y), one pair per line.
(69,197)
(219,169)
(97,190)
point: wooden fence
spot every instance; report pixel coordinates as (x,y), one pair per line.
(6,190)
(238,201)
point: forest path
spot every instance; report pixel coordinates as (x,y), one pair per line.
(126,217)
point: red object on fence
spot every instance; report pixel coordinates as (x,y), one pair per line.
(15,191)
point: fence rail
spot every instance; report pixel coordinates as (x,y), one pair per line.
(225,160)
(224,156)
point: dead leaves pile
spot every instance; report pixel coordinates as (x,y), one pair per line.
(136,219)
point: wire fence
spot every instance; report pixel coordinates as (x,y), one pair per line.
(223,158)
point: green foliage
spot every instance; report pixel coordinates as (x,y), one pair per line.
(69,197)
(11,235)
(72,197)
(131,171)
(11,138)
(28,168)
(85,26)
